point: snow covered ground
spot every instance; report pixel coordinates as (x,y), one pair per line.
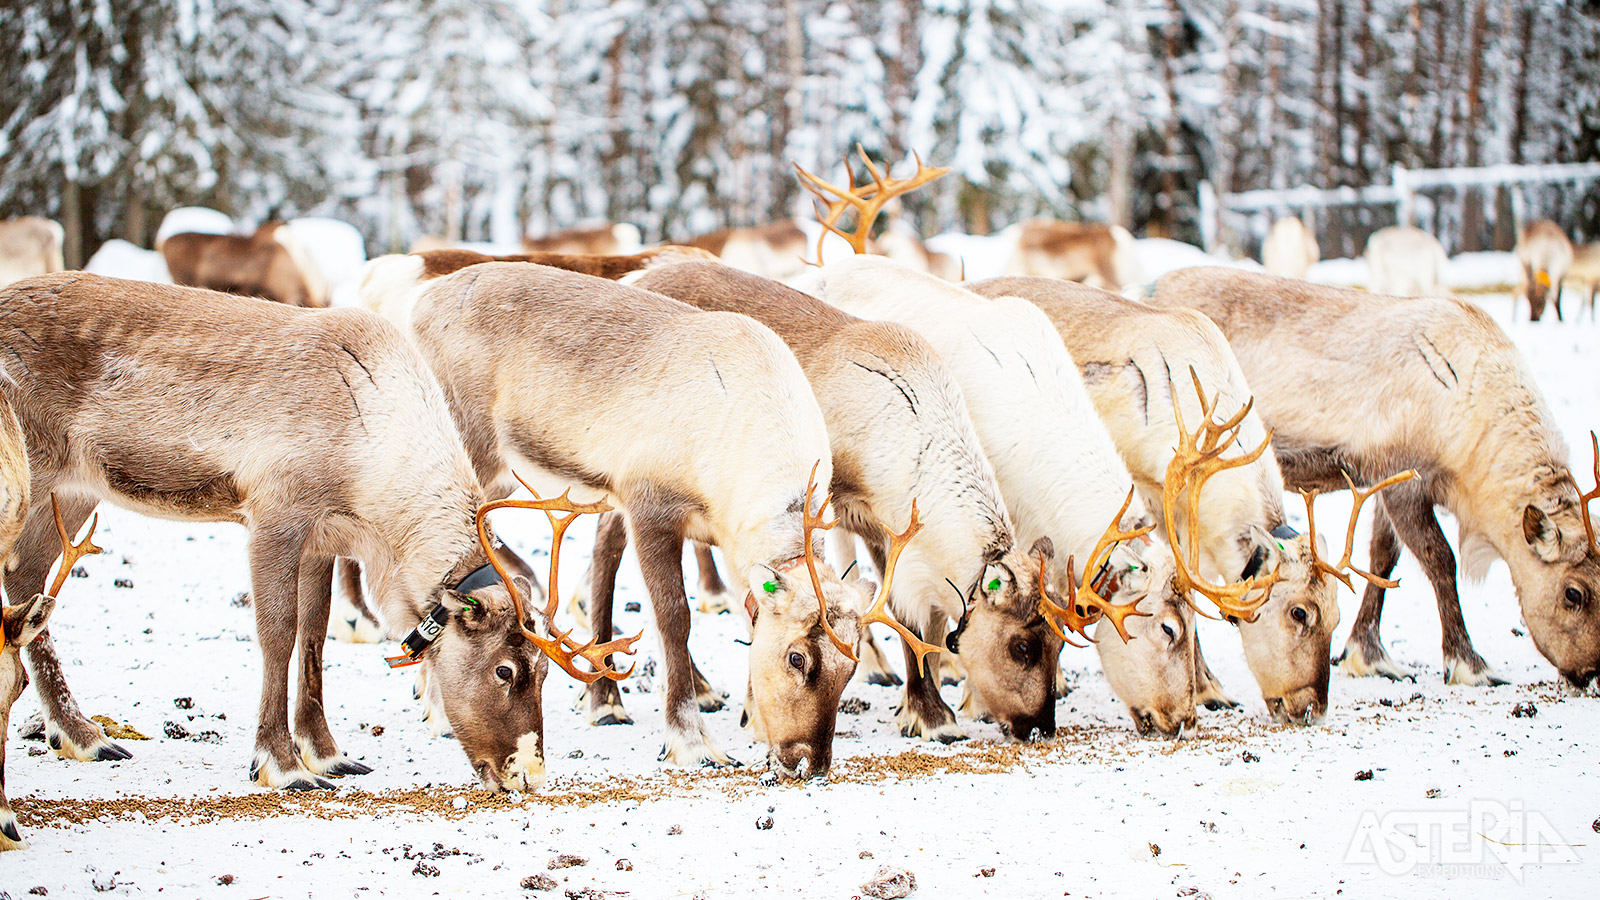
(1464,798)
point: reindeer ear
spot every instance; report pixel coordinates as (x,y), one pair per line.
(992,585)
(1043,547)
(25,620)
(767,586)
(1541,534)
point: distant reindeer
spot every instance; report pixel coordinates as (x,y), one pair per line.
(1358,385)
(1545,255)
(269,264)
(321,431)
(1102,256)
(605,239)
(1585,275)
(900,242)
(1290,249)
(776,250)
(1405,262)
(29,246)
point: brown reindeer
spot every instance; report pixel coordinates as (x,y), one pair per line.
(603,239)
(1100,256)
(29,246)
(698,425)
(20,623)
(1545,254)
(1355,385)
(321,431)
(269,264)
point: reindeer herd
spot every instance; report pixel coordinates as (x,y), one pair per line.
(1027,462)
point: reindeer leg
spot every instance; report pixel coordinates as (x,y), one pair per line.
(658,540)
(708,698)
(1411,513)
(69,732)
(275,580)
(1364,653)
(923,713)
(318,750)
(610,539)
(713,592)
(874,667)
(352,620)
(1209,690)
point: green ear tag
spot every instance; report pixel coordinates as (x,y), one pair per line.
(1281,547)
(994,585)
(770,587)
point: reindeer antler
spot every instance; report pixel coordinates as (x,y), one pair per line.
(1087,605)
(559,646)
(1583,499)
(1197,458)
(879,610)
(1051,612)
(867,200)
(1360,495)
(70,552)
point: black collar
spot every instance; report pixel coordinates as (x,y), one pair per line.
(421,637)
(482,576)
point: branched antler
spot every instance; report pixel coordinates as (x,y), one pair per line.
(1583,499)
(867,200)
(1361,495)
(1197,458)
(1087,605)
(70,552)
(560,646)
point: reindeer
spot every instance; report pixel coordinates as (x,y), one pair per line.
(1545,255)
(1406,262)
(29,246)
(20,623)
(1290,249)
(269,264)
(604,239)
(775,250)
(1102,256)
(900,242)
(898,429)
(1585,275)
(325,435)
(1357,385)
(698,425)
(1056,466)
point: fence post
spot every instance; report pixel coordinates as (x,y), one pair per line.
(1209,212)
(1406,201)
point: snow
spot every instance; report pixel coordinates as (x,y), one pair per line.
(1486,271)
(1243,809)
(195,220)
(337,250)
(120,259)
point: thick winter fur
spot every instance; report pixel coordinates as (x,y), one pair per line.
(1544,254)
(899,431)
(698,424)
(1290,249)
(21,622)
(29,246)
(1361,383)
(269,264)
(1406,262)
(604,239)
(1584,275)
(1134,360)
(321,431)
(1055,463)
(776,250)
(1101,256)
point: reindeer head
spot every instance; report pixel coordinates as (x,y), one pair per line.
(802,644)
(491,654)
(1559,587)
(19,625)
(1285,602)
(1009,646)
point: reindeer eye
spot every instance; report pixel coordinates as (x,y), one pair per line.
(1574,598)
(1166,627)
(1298,614)
(504,673)
(1022,651)
(798,661)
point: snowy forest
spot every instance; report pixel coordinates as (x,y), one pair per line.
(484,119)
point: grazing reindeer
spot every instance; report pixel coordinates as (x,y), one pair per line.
(1102,256)
(1585,275)
(269,264)
(698,425)
(605,239)
(1056,466)
(1290,249)
(29,246)
(776,250)
(1545,255)
(1357,385)
(1405,262)
(898,429)
(1130,356)
(325,435)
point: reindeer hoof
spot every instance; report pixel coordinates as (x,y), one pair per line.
(110,752)
(347,766)
(710,703)
(614,719)
(884,679)
(313,783)
(1472,673)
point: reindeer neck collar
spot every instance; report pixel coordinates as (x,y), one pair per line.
(421,637)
